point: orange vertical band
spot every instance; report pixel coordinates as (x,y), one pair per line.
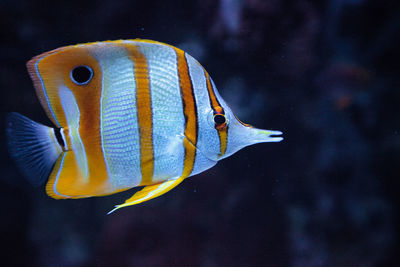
(190,113)
(216,106)
(144,114)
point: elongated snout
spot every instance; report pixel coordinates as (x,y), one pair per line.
(262,136)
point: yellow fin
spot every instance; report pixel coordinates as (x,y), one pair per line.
(68,181)
(149,192)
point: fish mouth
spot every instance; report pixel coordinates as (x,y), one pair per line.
(275,136)
(261,136)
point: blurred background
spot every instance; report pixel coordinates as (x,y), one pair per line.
(326,73)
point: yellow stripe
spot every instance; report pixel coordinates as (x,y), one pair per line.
(223,139)
(190,113)
(144,114)
(216,106)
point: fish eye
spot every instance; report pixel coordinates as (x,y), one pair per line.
(219,119)
(81,75)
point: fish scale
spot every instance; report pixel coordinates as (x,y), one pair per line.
(143,113)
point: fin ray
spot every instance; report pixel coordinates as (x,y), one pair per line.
(149,192)
(33,146)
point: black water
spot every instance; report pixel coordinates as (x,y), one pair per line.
(326,73)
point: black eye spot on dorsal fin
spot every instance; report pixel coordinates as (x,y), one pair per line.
(81,75)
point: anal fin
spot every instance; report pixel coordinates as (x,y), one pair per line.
(67,180)
(150,192)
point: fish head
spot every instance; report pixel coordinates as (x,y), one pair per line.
(225,134)
(241,134)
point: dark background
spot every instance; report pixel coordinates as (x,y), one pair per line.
(326,73)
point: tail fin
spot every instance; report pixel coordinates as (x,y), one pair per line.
(33,146)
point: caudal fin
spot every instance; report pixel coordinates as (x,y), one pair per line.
(33,146)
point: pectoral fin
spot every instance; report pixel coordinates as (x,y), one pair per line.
(150,192)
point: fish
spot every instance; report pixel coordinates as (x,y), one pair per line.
(126,113)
